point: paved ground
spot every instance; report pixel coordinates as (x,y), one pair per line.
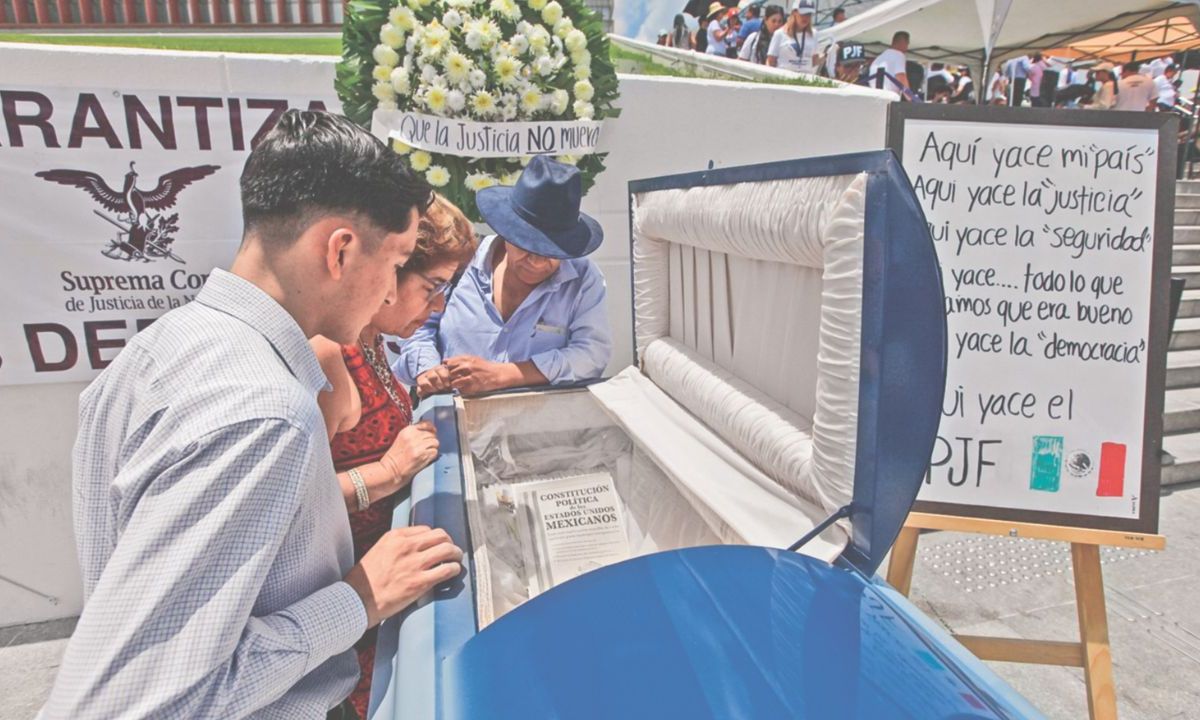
(974,585)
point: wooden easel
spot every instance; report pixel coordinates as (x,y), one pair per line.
(1091,652)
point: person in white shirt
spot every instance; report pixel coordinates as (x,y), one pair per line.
(1156,67)
(794,46)
(1135,91)
(893,63)
(759,42)
(722,29)
(1105,96)
(1164,85)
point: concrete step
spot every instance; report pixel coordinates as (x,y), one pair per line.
(1186,234)
(1187,186)
(1182,411)
(1186,468)
(1183,369)
(1187,200)
(1187,217)
(1190,273)
(1185,254)
(1186,335)
(1189,304)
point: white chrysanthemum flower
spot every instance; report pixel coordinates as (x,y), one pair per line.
(385,56)
(387,105)
(509,179)
(583,58)
(428,74)
(474,39)
(508,70)
(483,103)
(537,5)
(480,181)
(437,176)
(433,45)
(543,66)
(452,18)
(410,45)
(491,32)
(519,44)
(383,91)
(559,100)
(456,100)
(552,13)
(575,41)
(563,27)
(524,27)
(457,66)
(531,100)
(380,73)
(506,9)
(582,72)
(539,40)
(584,90)
(435,99)
(403,18)
(391,35)
(477,78)
(584,110)
(401,147)
(420,160)
(400,81)
(460,4)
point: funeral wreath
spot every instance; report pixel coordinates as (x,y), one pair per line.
(477,61)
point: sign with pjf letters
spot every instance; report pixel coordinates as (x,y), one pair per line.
(116,207)
(1050,235)
(468,138)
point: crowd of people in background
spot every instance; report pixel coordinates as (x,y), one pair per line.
(769,34)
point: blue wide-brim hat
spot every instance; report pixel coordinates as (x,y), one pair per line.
(540,214)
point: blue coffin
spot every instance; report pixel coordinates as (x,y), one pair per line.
(725,631)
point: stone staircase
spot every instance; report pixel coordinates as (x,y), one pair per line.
(1182,420)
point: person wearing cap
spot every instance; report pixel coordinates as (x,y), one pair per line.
(794,46)
(530,308)
(1105,97)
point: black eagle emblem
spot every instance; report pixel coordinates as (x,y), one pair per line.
(145,234)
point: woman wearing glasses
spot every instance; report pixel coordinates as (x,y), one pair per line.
(376,448)
(530,309)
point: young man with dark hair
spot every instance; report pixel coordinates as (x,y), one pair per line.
(218,572)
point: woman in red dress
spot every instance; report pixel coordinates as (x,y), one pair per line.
(375,445)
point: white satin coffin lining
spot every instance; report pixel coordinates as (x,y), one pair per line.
(748,303)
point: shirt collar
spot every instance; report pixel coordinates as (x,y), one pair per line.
(566,272)
(242,299)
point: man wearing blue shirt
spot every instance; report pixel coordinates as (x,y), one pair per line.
(530,308)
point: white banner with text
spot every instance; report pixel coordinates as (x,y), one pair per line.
(468,138)
(116,207)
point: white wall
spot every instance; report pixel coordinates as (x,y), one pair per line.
(667,126)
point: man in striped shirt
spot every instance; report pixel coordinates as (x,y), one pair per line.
(218,570)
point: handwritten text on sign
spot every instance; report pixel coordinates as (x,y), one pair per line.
(468,138)
(1045,237)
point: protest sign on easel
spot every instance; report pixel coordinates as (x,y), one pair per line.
(1053,231)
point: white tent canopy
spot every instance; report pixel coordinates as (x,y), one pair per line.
(973,32)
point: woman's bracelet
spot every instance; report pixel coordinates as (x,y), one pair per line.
(360,489)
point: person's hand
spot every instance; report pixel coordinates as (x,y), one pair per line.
(472,375)
(433,381)
(415,447)
(405,564)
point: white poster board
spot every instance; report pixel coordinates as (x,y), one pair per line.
(82,272)
(1054,268)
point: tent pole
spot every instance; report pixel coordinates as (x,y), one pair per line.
(1191,136)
